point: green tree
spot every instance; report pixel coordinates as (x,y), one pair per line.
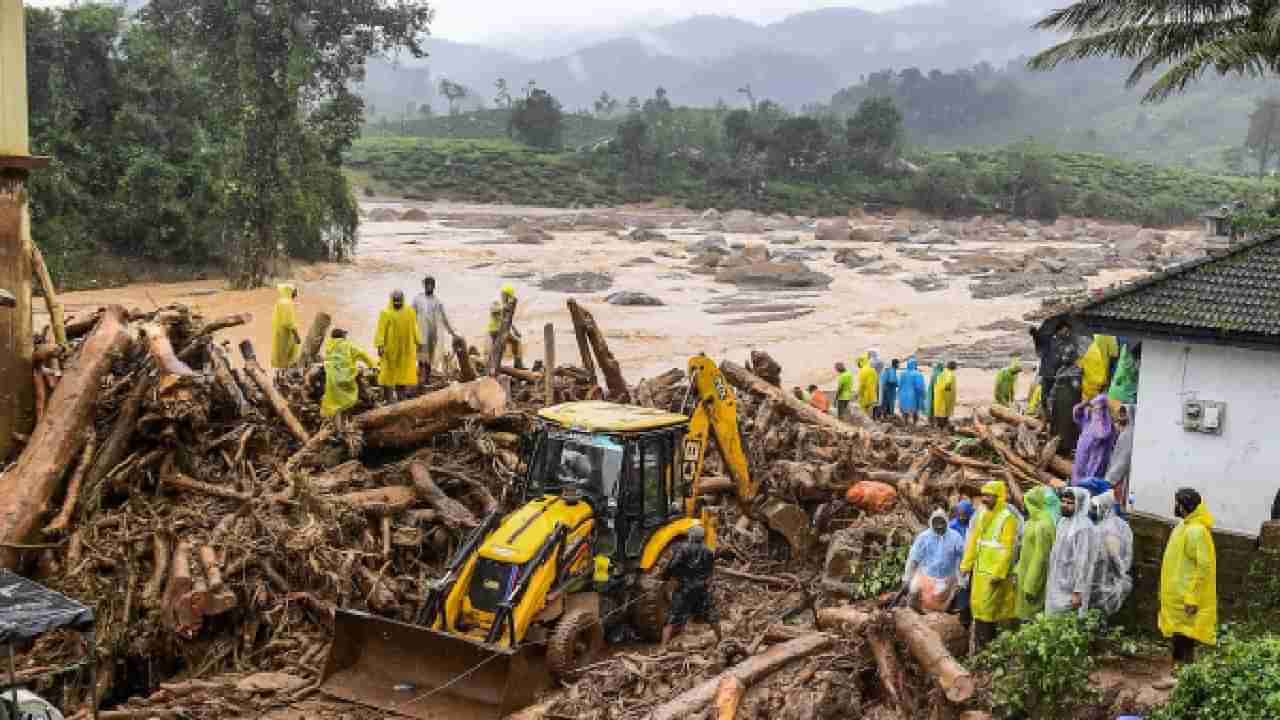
(1033,182)
(1179,39)
(538,120)
(454,93)
(634,143)
(503,96)
(1264,131)
(800,148)
(606,105)
(874,134)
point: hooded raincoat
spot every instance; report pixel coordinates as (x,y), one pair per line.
(1007,382)
(868,385)
(933,563)
(341,392)
(1189,576)
(1111,581)
(844,386)
(1097,439)
(989,555)
(1072,562)
(964,515)
(889,383)
(285,348)
(911,389)
(1096,363)
(938,369)
(944,394)
(1122,459)
(1035,398)
(873,359)
(1124,386)
(397,340)
(1033,559)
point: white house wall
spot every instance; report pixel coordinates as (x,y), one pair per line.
(1237,472)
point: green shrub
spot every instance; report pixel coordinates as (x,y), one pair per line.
(883,575)
(1041,671)
(1240,680)
(943,188)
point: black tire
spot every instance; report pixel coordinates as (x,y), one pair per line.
(652,603)
(575,641)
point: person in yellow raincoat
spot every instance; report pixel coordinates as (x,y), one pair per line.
(1189,579)
(397,341)
(286,343)
(1033,559)
(341,392)
(868,385)
(988,563)
(1035,397)
(496,311)
(1096,364)
(944,396)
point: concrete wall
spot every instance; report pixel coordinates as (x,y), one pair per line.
(1237,472)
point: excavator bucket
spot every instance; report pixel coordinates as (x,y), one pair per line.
(423,673)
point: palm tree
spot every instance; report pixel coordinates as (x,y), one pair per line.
(1178,40)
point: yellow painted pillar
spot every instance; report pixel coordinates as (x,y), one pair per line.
(16,346)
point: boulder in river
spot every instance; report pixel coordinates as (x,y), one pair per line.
(577,282)
(713,243)
(774,275)
(743,221)
(634,299)
(526,234)
(836,230)
(383,214)
(415,215)
(646,235)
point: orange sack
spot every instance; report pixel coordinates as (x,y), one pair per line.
(872,497)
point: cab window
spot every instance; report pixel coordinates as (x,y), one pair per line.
(655,456)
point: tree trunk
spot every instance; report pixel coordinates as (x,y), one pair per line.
(57,316)
(391,500)
(63,520)
(28,486)
(692,701)
(549,365)
(729,697)
(744,379)
(1012,417)
(927,648)
(614,381)
(274,398)
(482,396)
(846,619)
(315,338)
(584,344)
(222,375)
(410,434)
(452,513)
(889,669)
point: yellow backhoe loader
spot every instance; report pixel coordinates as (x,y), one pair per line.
(609,491)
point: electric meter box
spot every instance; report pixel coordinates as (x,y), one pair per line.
(1203,416)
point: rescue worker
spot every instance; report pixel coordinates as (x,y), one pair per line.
(988,563)
(1032,570)
(1097,439)
(286,343)
(961,517)
(868,385)
(496,312)
(844,391)
(889,383)
(397,341)
(911,392)
(1007,382)
(944,396)
(691,567)
(431,316)
(1096,365)
(933,565)
(341,392)
(1035,397)
(1075,553)
(1122,455)
(1124,386)
(801,394)
(938,368)
(818,399)
(1189,579)
(1111,581)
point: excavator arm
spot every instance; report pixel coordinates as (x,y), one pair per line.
(716,414)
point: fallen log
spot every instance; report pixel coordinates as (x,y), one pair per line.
(745,380)
(452,513)
(549,363)
(1060,466)
(614,381)
(1015,418)
(57,315)
(63,520)
(846,619)
(316,334)
(521,374)
(927,647)
(221,598)
(584,346)
(729,697)
(889,670)
(483,396)
(383,501)
(176,606)
(751,670)
(28,486)
(162,351)
(273,396)
(1049,452)
(160,555)
(177,480)
(410,434)
(227,381)
(1009,455)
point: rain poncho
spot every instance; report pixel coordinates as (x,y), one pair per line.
(911,389)
(1097,439)
(1122,459)
(937,556)
(844,386)
(868,384)
(1124,386)
(1189,576)
(1096,363)
(989,552)
(944,394)
(397,340)
(964,513)
(1007,381)
(1111,581)
(938,369)
(873,358)
(1033,559)
(285,348)
(1035,398)
(340,389)
(431,316)
(1071,564)
(888,389)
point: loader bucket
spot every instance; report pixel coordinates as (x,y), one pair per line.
(427,674)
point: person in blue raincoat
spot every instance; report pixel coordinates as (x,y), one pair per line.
(911,392)
(889,389)
(933,565)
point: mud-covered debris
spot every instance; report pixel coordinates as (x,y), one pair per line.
(577,282)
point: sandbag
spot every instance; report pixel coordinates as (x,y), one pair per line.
(870,496)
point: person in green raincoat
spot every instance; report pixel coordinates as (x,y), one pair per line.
(341,392)
(286,343)
(988,562)
(397,341)
(1032,569)
(1124,386)
(1007,382)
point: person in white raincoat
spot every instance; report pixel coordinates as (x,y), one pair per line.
(1111,581)
(1074,556)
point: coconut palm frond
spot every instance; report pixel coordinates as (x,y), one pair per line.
(1242,54)
(1093,15)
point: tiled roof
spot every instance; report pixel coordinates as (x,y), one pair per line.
(1232,297)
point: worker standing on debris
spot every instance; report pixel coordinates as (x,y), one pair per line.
(911,392)
(1007,382)
(844,391)
(1032,571)
(397,341)
(1097,439)
(1096,365)
(691,567)
(938,368)
(988,560)
(1111,581)
(1035,398)
(818,399)
(868,386)
(944,396)
(1122,455)
(889,383)
(496,312)
(1124,386)
(1074,556)
(1189,579)
(341,392)
(286,343)
(431,316)
(933,565)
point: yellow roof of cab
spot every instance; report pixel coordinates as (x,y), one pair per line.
(599,416)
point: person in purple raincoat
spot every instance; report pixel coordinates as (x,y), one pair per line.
(1097,439)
